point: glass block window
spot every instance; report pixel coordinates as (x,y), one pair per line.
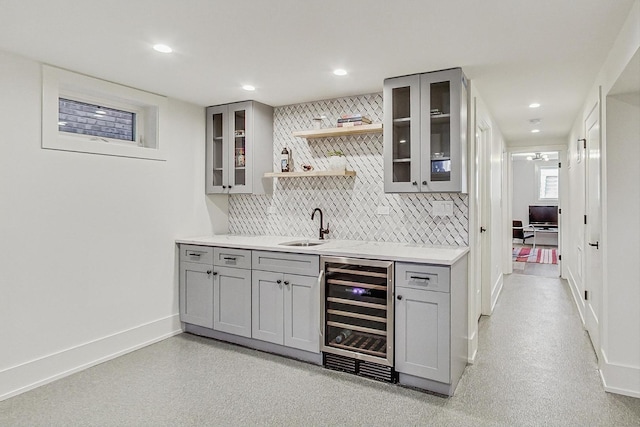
(95,120)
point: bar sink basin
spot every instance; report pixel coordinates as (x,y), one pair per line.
(303,243)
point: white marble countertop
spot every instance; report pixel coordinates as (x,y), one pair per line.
(408,252)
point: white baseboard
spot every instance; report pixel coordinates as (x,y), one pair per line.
(473,347)
(497,289)
(573,287)
(34,373)
(620,379)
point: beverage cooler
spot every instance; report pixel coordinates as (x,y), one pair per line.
(357,316)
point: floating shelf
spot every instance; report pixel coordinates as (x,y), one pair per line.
(311,173)
(330,132)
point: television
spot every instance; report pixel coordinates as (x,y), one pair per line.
(543,216)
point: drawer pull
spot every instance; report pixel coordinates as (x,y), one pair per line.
(420,278)
(229,258)
(194,254)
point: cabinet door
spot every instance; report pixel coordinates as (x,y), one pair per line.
(442,131)
(267,322)
(402,134)
(301,312)
(196,294)
(422,334)
(240,147)
(232,300)
(217,149)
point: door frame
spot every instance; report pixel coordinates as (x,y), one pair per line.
(593,315)
(562,158)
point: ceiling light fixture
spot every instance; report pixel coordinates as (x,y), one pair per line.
(534,105)
(538,157)
(248,87)
(162,48)
(535,130)
(340,72)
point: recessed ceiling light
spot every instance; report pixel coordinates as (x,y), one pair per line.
(163,48)
(534,105)
(62,123)
(535,130)
(340,72)
(101,112)
(248,87)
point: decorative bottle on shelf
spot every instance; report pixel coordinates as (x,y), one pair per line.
(285,160)
(343,335)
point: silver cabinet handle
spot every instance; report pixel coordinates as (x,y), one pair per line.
(420,278)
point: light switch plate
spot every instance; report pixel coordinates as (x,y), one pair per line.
(382,210)
(442,208)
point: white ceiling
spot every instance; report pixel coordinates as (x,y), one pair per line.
(515,51)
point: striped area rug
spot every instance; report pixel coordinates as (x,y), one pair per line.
(537,255)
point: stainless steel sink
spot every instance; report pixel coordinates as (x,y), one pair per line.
(303,243)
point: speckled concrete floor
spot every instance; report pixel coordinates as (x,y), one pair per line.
(534,367)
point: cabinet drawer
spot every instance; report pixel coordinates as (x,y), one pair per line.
(199,254)
(240,258)
(282,262)
(422,276)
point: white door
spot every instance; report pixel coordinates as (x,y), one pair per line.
(593,267)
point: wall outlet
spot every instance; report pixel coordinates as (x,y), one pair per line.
(271,210)
(442,208)
(382,210)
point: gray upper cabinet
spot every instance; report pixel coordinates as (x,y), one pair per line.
(239,148)
(425,132)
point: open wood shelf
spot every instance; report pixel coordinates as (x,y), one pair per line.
(310,173)
(331,132)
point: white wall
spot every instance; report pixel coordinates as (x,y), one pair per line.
(486,261)
(88,260)
(620,325)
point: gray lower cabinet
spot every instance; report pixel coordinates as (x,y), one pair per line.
(285,306)
(232,300)
(422,333)
(431,325)
(196,294)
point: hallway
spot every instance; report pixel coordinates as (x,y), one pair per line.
(535,366)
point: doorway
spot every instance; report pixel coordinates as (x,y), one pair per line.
(535,211)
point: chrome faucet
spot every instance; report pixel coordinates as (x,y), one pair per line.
(323,230)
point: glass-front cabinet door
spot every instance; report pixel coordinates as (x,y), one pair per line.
(402,134)
(228,148)
(443,133)
(240,135)
(217,154)
(425,132)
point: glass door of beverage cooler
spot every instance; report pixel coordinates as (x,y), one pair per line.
(358,309)
(402,134)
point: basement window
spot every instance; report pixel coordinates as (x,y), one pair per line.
(89,115)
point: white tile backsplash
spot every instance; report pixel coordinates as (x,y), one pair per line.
(350,204)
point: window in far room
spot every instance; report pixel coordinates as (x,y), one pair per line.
(547,183)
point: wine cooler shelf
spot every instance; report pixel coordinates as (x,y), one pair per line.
(364,343)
